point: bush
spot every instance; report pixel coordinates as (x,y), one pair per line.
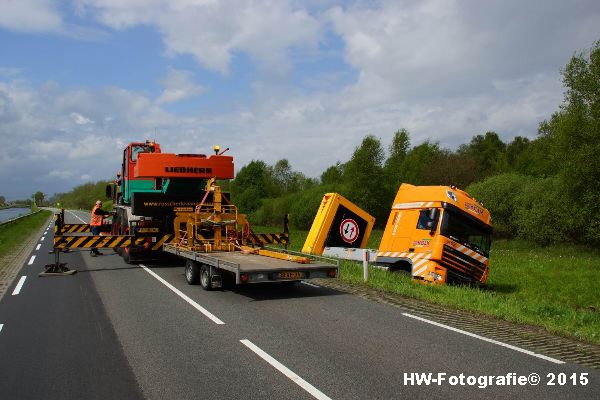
(542,215)
(301,206)
(500,194)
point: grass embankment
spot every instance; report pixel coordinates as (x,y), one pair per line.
(554,287)
(16,232)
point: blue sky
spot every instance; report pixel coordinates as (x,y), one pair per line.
(302,80)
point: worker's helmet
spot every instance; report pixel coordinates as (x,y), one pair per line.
(98,203)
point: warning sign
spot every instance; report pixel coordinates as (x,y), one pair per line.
(349,230)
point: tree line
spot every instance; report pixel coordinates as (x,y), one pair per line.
(543,189)
(82,197)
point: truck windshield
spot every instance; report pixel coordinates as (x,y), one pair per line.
(467,231)
(137,149)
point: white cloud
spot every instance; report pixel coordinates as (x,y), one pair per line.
(60,174)
(213,31)
(30,16)
(80,119)
(179,85)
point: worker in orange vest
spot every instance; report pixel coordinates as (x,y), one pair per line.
(96,222)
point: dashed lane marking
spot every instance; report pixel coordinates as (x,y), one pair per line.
(179,293)
(19,286)
(316,393)
(31,260)
(76,216)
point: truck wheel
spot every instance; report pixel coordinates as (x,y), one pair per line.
(127,256)
(192,272)
(205,277)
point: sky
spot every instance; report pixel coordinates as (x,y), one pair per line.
(301,80)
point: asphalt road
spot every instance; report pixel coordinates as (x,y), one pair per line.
(123,331)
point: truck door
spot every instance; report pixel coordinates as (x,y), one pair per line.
(398,231)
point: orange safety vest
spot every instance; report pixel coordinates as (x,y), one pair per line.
(96,220)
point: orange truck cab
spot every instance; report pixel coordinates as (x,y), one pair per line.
(439,234)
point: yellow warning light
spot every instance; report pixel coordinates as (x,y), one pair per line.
(217,148)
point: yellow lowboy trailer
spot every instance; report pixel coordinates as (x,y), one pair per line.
(214,240)
(211,269)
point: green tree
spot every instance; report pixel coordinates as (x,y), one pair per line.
(575,130)
(251,184)
(38,197)
(2,200)
(333,175)
(450,168)
(363,175)
(398,150)
(488,151)
(417,160)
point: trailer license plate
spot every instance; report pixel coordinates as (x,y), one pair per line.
(291,275)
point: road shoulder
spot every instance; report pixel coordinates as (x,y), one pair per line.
(12,262)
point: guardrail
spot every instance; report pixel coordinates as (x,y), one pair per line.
(18,218)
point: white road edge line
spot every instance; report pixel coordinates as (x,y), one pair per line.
(42,239)
(19,286)
(38,247)
(32,259)
(179,293)
(1,326)
(508,346)
(316,393)
(76,216)
(311,284)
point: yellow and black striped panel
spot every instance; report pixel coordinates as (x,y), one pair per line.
(163,240)
(87,242)
(261,239)
(75,228)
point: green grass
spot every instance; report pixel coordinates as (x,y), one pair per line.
(555,287)
(18,231)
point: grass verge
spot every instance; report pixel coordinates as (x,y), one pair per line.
(554,287)
(16,232)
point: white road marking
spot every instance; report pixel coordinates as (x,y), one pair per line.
(1,326)
(42,239)
(38,247)
(19,286)
(179,293)
(316,393)
(45,233)
(508,346)
(32,259)
(310,284)
(76,216)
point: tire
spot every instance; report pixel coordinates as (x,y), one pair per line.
(205,277)
(192,272)
(127,257)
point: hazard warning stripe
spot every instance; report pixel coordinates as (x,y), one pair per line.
(264,238)
(87,242)
(75,228)
(163,240)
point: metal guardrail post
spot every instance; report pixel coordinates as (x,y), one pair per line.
(365,265)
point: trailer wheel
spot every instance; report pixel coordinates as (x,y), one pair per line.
(192,272)
(205,277)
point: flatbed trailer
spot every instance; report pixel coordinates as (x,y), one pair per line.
(208,268)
